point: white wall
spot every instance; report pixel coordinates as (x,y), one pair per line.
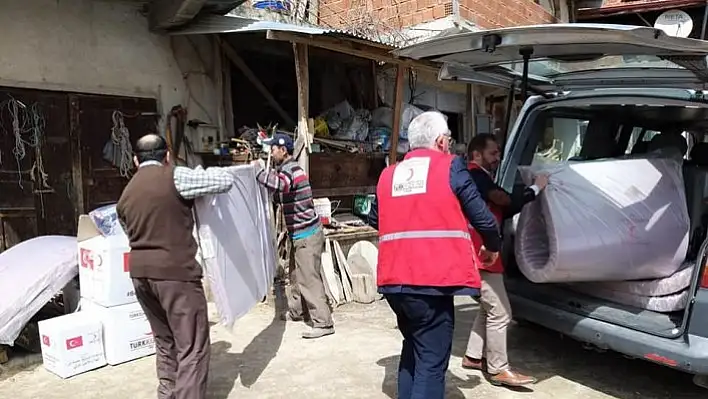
(102,47)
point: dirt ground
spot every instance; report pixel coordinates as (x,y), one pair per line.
(266,358)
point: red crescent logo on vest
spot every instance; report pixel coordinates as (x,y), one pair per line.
(75,342)
(410,174)
(45,340)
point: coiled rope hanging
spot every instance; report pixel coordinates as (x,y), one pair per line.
(27,128)
(122,149)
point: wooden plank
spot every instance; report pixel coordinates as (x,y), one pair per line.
(302,74)
(357,48)
(233,56)
(397,105)
(344,170)
(332,284)
(345,274)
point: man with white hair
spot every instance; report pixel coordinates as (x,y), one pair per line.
(426,255)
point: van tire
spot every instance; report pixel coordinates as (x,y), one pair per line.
(701,380)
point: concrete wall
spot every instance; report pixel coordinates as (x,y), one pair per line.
(103,47)
(404,13)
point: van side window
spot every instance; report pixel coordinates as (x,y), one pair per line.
(561,140)
(640,143)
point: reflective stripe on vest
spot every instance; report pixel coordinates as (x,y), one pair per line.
(425,234)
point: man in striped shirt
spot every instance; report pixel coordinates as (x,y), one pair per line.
(307,296)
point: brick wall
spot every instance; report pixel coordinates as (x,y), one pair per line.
(499,14)
(403,13)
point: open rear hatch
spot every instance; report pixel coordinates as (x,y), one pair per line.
(545,58)
(556,58)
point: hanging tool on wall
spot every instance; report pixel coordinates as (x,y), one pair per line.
(176,138)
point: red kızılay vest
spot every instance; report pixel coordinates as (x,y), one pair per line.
(497,266)
(423,235)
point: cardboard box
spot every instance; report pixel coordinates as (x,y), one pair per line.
(104,265)
(126,332)
(71,344)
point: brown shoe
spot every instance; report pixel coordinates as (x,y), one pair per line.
(472,364)
(512,379)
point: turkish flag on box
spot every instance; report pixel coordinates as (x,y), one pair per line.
(73,343)
(78,344)
(104,275)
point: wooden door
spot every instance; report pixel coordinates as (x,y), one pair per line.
(92,123)
(35,181)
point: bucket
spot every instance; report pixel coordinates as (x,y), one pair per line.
(362,204)
(323,208)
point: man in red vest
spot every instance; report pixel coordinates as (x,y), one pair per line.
(488,337)
(426,257)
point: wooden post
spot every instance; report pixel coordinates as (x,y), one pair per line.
(303,139)
(397,106)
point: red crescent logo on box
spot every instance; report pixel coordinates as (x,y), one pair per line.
(126,262)
(75,342)
(45,340)
(86,258)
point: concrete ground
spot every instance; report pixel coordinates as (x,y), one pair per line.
(266,358)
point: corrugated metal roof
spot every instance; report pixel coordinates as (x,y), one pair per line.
(214,24)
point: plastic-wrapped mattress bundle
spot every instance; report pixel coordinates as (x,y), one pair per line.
(667,294)
(236,244)
(33,271)
(605,220)
(664,303)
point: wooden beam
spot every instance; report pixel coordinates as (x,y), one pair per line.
(356,48)
(233,56)
(342,191)
(397,105)
(302,74)
(228,98)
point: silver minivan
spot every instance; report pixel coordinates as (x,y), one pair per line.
(598,91)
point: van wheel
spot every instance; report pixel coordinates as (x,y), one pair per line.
(701,381)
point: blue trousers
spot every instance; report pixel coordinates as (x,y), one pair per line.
(427,323)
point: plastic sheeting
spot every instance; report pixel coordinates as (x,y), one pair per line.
(236,244)
(663,304)
(677,282)
(31,273)
(606,220)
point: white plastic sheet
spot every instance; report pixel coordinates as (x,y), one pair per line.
(606,220)
(236,244)
(673,284)
(663,304)
(31,273)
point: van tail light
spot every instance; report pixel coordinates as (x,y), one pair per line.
(704,279)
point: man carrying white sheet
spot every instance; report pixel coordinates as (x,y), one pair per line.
(155,210)
(307,295)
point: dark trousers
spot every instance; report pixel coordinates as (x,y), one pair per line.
(427,323)
(178,316)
